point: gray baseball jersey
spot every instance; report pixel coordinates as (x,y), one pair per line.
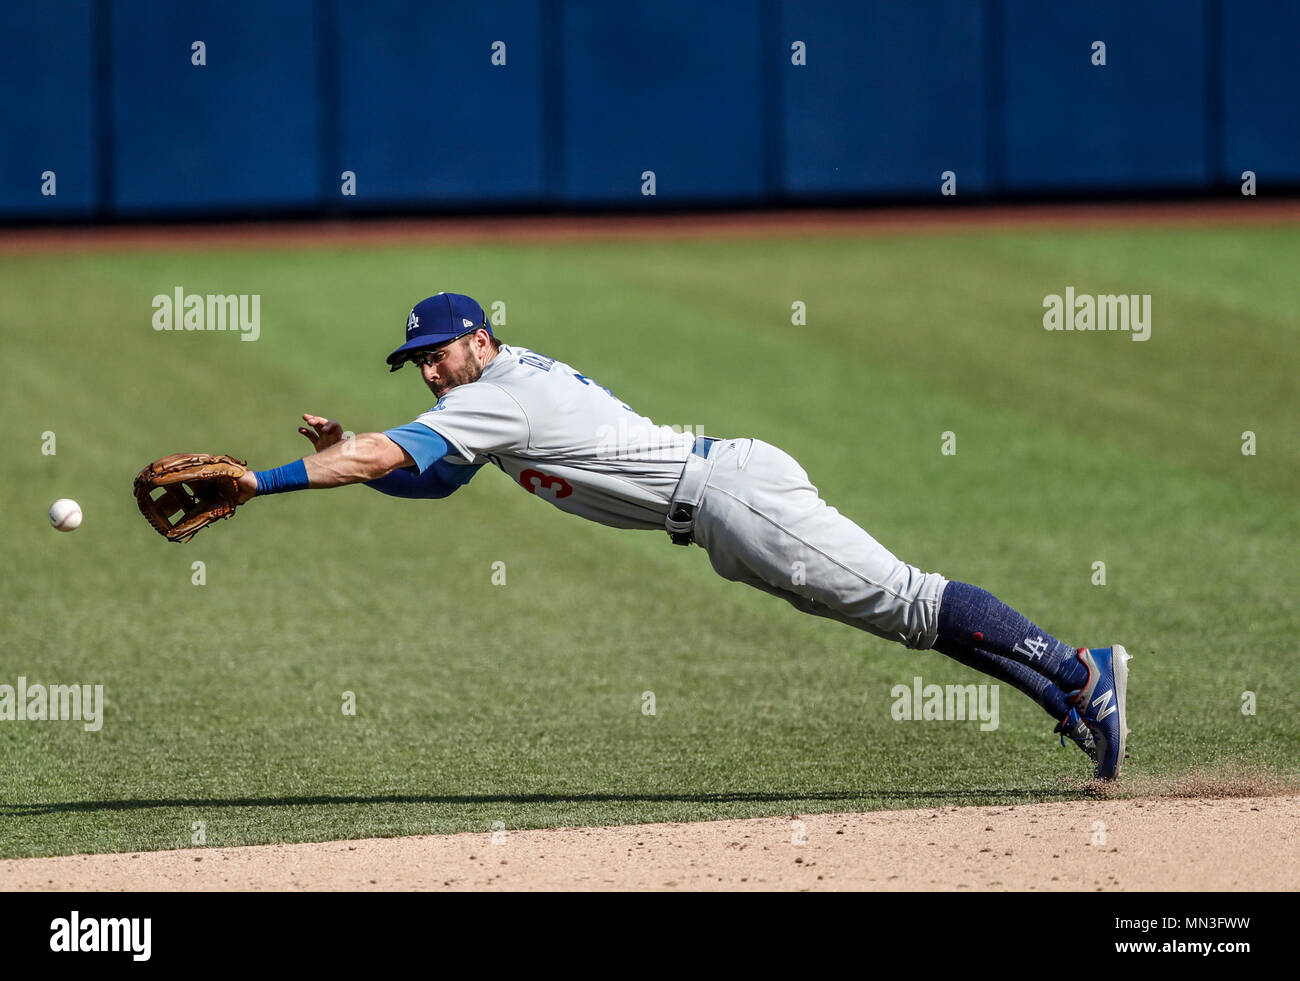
(563,437)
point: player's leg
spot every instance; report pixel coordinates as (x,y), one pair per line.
(1093,714)
(1023,677)
(970,616)
(763,523)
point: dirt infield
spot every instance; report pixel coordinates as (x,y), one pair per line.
(1168,843)
(692,225)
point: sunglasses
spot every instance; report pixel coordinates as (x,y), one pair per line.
(425,358)
(422,358)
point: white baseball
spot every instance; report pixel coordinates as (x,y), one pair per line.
(65,514)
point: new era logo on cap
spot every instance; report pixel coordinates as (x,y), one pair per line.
(469,324)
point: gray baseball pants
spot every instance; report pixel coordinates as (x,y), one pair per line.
(762,522)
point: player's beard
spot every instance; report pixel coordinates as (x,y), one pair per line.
(469,371)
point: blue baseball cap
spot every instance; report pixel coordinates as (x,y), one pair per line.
(435,321)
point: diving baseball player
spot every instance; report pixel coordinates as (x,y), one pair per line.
(562,437)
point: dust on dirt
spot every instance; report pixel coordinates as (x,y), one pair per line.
(1200,833)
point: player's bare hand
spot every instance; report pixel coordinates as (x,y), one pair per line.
(323,433)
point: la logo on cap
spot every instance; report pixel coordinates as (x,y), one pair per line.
(412,322)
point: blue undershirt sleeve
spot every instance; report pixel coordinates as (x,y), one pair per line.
(403,483)
(435,477)
(422,444)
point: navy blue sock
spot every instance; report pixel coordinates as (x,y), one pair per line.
(1037,686)
(971,617)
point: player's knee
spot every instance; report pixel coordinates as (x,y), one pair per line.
(922,615)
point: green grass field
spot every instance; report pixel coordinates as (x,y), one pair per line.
(522,703)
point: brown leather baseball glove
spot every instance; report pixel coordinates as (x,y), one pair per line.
(183,493)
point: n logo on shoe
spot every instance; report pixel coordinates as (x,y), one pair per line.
(1104,701)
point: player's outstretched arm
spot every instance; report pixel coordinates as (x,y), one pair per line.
(368,456)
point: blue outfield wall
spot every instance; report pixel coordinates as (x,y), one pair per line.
(523,103)
(240,131)
(670,89)
(891,95)
(1261,91)
(423,113)
(46,110)
(1138,121)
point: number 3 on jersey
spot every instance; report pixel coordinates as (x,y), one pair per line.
(533,480)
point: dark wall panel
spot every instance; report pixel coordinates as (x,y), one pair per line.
(46,109)
(1139,121)
(670,87)
(425,116)
(1261,91)
(891,96)
(242,131)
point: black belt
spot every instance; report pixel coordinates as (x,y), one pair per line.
(683,514)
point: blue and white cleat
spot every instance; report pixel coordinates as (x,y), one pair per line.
(1101,705)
